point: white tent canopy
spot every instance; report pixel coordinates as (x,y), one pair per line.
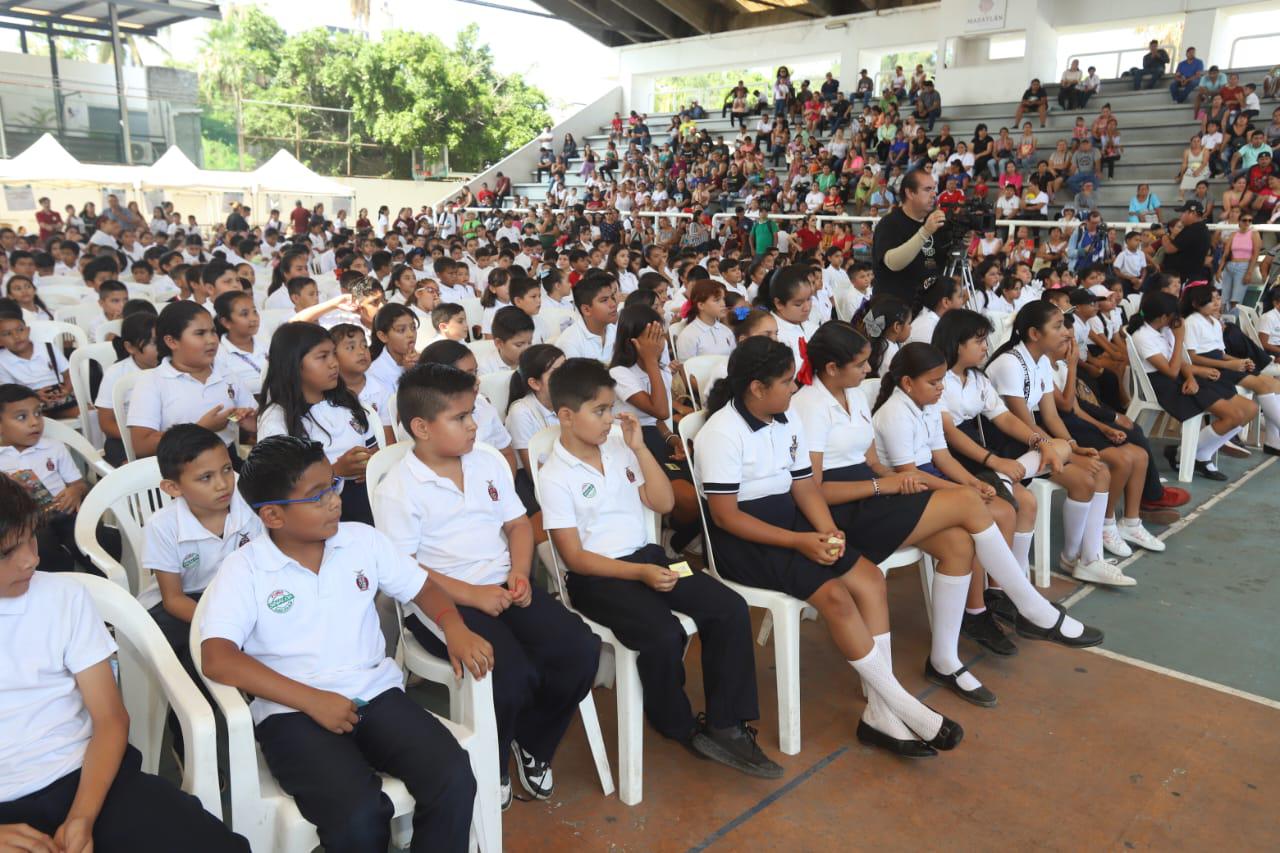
(176,171)
(283,173)
(46,162)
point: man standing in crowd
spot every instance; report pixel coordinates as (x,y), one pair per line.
(903,252)
(1187,244)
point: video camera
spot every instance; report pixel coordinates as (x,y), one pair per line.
(969,215)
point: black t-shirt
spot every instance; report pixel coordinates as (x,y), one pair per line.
(1031,95)
(947,141)
(1193,245)
(892,231)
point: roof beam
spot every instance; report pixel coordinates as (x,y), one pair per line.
(656,17)
(699,14)
(192,10)
(588,7)
(841,7)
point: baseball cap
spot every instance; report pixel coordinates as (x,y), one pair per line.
(1193,207)
(1100,291)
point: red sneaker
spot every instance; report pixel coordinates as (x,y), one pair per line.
(1171,497)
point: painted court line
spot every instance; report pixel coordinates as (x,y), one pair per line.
(1082,593)
(1182,676)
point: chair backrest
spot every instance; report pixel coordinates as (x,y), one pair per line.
(870,387)
(86,455)
(690,425)
(475,313)
(483,349)
(120,407)
(271,319)
(699,371)
(553,319)
(496,387)
(1248,319)
(1139,381)
(375,424)
(111,327)
(55,331)
(673,332)
(105,356)
(146,656)
(81,314)
(132,495)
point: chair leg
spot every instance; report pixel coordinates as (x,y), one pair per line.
(1044,515)
(1187,457)
(630,729)
(595,738)
(766,627)
(146,704)
(926,582)
(786,650)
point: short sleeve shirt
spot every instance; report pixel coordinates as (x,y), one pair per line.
(1148,342)
(1203,335)
(697,338)
(175,541)
(631,381)
(1016,374)
(45,367)
(44,467)
(907,434)
(842,437)
(1269,325)
(167,396)
(967,398)
(110,377)
(334,426)
(604,507)
(526,418)
(738,454)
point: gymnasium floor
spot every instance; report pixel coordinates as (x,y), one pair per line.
(1167,736)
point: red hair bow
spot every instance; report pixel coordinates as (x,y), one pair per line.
(805,375)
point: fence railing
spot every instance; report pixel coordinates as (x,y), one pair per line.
(1231,58)
(1117,61)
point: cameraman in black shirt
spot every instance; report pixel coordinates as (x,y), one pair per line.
(903,252)
(1185,251)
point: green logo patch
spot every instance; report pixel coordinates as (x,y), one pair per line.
(191,561)
(588,490)
(280,601)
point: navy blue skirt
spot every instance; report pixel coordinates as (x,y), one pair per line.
(1184,406)
(1225,384)
(771,567)
(877,526)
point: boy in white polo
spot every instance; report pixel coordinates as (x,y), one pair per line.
(185,542)
(455,507)
(39,366)
(68,777)
(290,619)
(593,334)
(595,488)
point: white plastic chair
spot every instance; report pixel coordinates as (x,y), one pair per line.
(1145,411)
(553,319)
(120,394)
(496,387)
(483,349)
(111,327)
(105,356)
(81,314)
(475,313)
(629,691)
(463,700)
(1043,488)
(89,457)
(55,332)
(151,682)
(269,818)
(699,371)
(132,495)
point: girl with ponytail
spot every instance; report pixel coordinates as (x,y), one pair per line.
(940,295)
(882,509)
(771,528)
(528,413)
(704,332)
(886,322)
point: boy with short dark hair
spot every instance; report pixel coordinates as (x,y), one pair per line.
(597,303)
(513,331)
(526,294)
(455,507)
(595,488)
(450,321)
(290,619)
(41,367)
(68,777)
(112,295)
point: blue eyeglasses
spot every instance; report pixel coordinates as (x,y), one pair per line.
(335,488)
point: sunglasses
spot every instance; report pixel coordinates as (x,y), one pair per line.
(335,489)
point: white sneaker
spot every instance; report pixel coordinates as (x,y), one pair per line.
(1141,537)
(504,793)
(1103,572)
(1067,565)
(1113,542)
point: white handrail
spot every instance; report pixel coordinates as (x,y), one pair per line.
(1171,50)
(1231,58)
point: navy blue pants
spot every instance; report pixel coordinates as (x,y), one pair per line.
(141,814)
(544,663)
(333,778)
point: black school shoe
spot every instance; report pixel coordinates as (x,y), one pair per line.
(734,747)
(901,748)
(999,603)
(948,736)
(535,775)
(1202,468)
(1088,637)
(979,695)
(983,630)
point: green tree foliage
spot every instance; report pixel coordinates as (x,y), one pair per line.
(409,92)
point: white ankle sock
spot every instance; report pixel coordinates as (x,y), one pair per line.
(878,675)
(994,556)
(1210,442)
(877,713)
(949,593)
(1074,516)
(1022,548)
(1091,544)
(1109,523)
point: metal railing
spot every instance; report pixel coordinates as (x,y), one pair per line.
(1117,58)
(1231,57)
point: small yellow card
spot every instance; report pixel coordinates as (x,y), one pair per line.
(681,569)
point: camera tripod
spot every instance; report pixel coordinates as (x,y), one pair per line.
(958,265)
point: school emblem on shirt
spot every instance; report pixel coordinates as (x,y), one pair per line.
(280,601)
(493,492)
(190,561)
(795,447)
(244,540)
(631,477)
(362,582)
(588,491)
(48,463)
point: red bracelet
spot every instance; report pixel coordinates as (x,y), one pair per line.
(436,618)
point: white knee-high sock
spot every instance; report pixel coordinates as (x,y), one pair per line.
(994,556)
(1210,442)
(877,713)
(878,675)
(949,593)
(1270,405)
(1074,516)
(1022,549)
(1091,544)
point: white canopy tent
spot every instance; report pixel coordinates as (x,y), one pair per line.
(284,173)
(174,170)
(45,161)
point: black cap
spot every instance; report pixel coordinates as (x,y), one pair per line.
(1192,206)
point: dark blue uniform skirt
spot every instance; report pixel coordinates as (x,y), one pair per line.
(876,526)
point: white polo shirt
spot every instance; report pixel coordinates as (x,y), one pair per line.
(1148,342)
(697,338)
(110,377)
(736,453)
(48,461)
(489,428)
(1203,334)
(175,541)
(242,365)
(322,628)
(332,425)
(849,300)
(526,418)
(489,361)
(922,326)
(486,321)
(39,371)
(376,396)
(907,434)
(1269,325)
(605,508)
(51,634)
(967,398)
(633,380)
(577,342)
(456,293)
(842,437)
(167,396)
(792,333)
(385,370)
(1016,374)
(452,532)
